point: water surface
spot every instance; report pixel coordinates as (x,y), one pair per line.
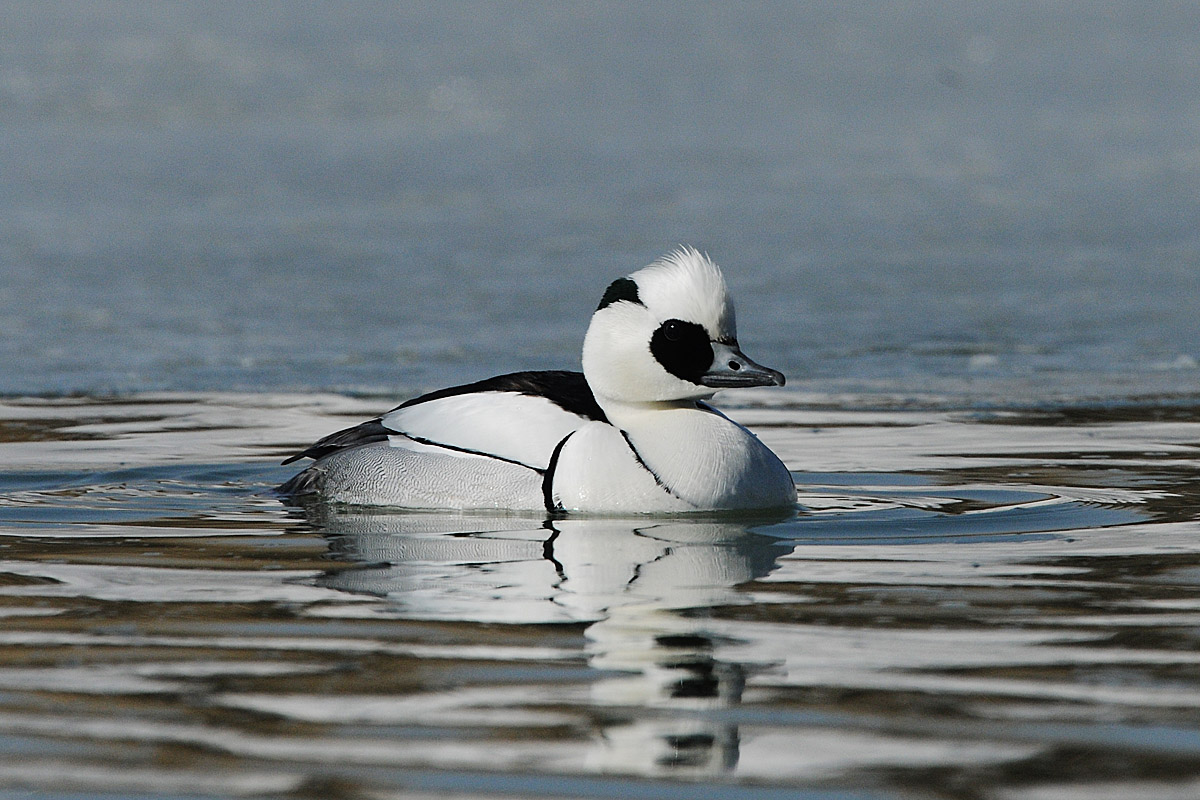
(984,200)
(984,605)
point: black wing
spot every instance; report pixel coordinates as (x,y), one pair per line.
(568,390)
(365,433)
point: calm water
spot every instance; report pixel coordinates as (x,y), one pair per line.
(997,606)
(983,200)
(969,234)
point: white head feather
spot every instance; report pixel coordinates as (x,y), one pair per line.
(617,360)
(686,284)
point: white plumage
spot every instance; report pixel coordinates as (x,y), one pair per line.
(631,434)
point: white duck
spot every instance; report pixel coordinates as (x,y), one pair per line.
(631,434)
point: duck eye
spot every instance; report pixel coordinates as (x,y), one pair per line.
(683,348)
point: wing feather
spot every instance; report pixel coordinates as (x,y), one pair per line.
(519,417)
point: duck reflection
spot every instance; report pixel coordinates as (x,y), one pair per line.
(641,585)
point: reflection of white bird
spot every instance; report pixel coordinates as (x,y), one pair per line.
(628,579)
(632,433)
(519,570)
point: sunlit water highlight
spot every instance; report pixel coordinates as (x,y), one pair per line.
(978,604)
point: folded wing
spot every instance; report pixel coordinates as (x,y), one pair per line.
(518,418)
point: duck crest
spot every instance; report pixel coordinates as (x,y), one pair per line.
(686,284)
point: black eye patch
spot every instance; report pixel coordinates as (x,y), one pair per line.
(683,349)
(620,289)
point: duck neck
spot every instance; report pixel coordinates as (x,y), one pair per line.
(637,416)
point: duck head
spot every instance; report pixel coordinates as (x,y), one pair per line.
(667,332)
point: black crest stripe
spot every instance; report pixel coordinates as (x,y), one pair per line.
(620,289)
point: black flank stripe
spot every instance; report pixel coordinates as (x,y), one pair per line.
(548,476)
(645,466)
(469,451)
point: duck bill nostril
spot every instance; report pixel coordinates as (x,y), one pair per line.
(732,369)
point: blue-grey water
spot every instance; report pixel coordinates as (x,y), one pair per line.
(968,233)
(987,198)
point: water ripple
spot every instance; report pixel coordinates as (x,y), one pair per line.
(956,602)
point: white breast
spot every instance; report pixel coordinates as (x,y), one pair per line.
(679,459)
(596,471)
(713,462)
